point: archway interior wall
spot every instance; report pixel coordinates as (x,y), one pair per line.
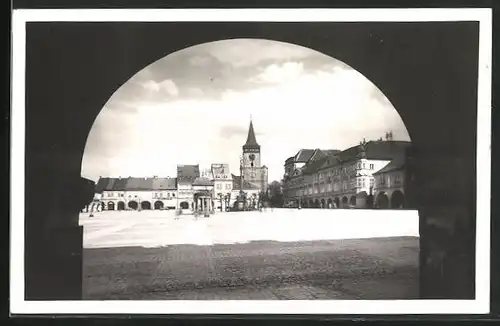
(54,154)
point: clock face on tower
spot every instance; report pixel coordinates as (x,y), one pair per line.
(251,157)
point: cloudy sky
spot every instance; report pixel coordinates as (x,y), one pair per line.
(194,107)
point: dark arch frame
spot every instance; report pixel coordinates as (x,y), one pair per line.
(120,206)
(426,92)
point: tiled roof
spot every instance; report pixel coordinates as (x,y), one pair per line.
(139,184)
(394,165)
(202,181)
(130,183)
(315,165)
(187,173)
(101,184)
(164,183)
(376,150)
(331,151)
(304,155)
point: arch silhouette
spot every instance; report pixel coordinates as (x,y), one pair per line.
(352,201)
(121,206)
(111,206)
(146,205)
(382,201)
(410,85)
(397,199)
(158,204)
(345,202)
(330,203)
(133,205)
(184,205)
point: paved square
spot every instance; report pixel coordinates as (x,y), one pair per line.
(151,255)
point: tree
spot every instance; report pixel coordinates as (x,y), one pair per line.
(275,191)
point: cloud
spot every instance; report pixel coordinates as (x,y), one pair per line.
(250,52)
(194,107)
(279,73)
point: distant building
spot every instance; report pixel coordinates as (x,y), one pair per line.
(342,179)
(134,193)
(389,187)
(251,168)
(193,189)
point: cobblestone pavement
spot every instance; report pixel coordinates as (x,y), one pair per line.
(384,268)
(285,254)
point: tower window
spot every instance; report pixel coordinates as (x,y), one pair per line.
(251,164)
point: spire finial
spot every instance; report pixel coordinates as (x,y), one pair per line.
(250,117)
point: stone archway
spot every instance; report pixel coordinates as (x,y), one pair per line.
(396,77)
(337,202)
(184,205)
(397,199)
(323,203)
(146,205)
(352,201)
(133,205)
(158,204)
(330,203)
(345,202)
(120,206)
(316,203)
(362,200)
(382,201)
(111,206)
(311,203)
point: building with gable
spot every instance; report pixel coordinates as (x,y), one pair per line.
(193,189)
(339,179)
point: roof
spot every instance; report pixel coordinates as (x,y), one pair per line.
(246,185)
(130,183)
(375,150)
(304,155)
(394,165)
(251,140)
(187,173)
(203,181)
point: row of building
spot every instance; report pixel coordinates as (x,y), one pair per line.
(193,189)
(368,175)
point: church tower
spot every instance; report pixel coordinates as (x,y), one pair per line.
(251,150)
(252,171)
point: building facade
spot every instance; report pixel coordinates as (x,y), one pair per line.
(193,189)
(389,189)
(338,179)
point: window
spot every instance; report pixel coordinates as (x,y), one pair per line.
(173,195)
(371,166)
(219,186)
(228,186)
(364,166)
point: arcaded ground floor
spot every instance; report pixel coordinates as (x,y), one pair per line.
(278,254)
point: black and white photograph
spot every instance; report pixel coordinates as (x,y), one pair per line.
(326,161)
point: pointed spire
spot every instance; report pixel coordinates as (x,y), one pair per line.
(251,140)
